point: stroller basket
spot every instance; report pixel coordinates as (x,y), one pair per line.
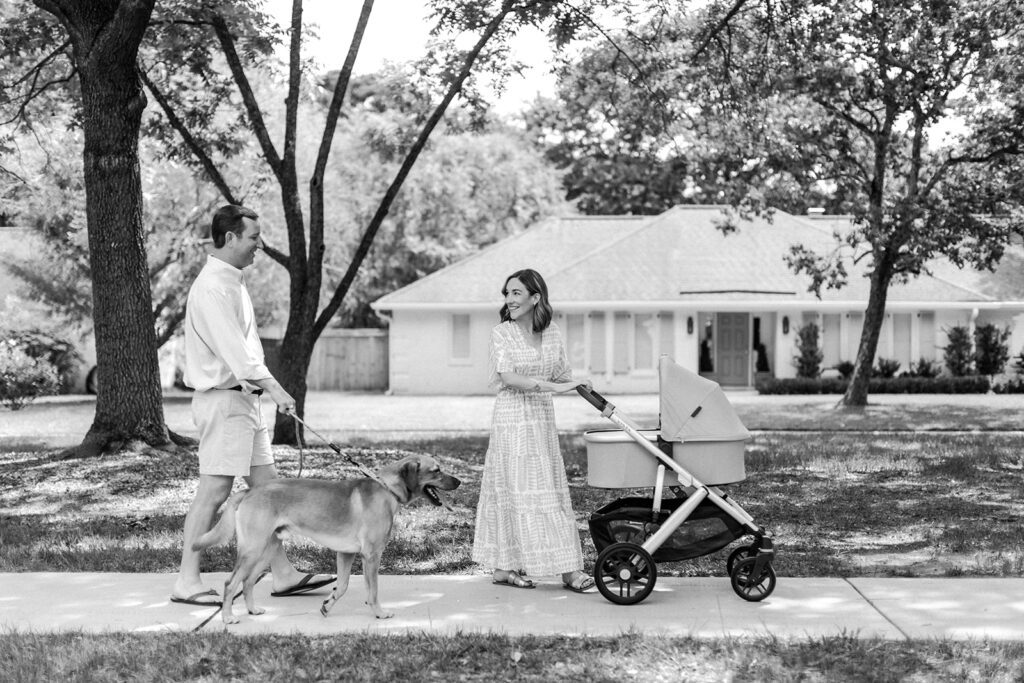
(707,529)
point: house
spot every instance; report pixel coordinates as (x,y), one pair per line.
(627,289)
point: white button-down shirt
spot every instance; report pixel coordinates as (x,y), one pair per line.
(222,345)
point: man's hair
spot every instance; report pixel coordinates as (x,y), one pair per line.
(228,218)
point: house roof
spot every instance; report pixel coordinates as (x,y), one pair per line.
(680,256)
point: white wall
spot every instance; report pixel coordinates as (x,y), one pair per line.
(420,354)
(421,346)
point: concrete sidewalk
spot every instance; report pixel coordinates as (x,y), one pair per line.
(892,609)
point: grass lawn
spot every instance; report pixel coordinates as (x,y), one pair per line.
(838,503)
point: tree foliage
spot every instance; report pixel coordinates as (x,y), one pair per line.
(841,105)
(226,49)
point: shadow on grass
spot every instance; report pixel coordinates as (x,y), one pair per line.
(833,501)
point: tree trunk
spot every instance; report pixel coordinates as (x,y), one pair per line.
(294,355)
(129,402)
(856,395)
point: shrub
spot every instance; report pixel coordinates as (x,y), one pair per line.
(1018,363)
(886,368)
(845,368)
(808,360)
(990,349)
(50,347)
(959,352)
(973,384)
(1011,386)
(23,378)
(925,368)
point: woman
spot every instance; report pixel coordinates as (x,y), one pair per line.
(524,520)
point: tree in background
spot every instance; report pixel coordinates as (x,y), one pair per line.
(841,103)
(49,196)
(959,351)
(201,101)
(991,351)
(639,125)
(92,48)
(871,84)
(809,354)
(473,186)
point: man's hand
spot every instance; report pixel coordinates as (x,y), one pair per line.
(285,402)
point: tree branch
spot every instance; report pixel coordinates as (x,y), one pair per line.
(723,22)
(252,107)
(316,183)
(385,205)
(130,21)
(190,141)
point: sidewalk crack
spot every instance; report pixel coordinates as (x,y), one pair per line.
(876,608)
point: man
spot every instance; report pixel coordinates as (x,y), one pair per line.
(224,364)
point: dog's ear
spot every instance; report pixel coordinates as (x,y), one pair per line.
(411,475)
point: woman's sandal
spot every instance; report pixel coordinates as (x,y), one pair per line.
(513,580)
(581,583)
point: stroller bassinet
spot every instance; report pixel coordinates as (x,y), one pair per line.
(699,446)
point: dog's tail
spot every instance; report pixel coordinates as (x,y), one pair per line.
(225,528)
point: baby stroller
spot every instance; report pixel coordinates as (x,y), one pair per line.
(698,447)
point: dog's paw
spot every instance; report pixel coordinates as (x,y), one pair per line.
(385,615)
(230,619)
(324,607)
(257,610)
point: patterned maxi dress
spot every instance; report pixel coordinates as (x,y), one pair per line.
(524,520)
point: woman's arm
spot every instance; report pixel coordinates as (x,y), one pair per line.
(524,383)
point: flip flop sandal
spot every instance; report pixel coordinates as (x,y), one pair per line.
(305,585)
(514,580)
(194,599)
(581,584)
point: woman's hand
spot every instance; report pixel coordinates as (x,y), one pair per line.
(565,387)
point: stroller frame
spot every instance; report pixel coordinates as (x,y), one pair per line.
(626,573)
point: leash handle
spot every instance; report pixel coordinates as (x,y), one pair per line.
(302,446)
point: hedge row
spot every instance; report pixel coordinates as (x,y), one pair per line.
(976,384)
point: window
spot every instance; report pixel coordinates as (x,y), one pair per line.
(831,340)
(598,362)
(644,340)
(668,334)
(460,337)
(575,342)
(901,340)
(707,342)
(621,355)
(926,335)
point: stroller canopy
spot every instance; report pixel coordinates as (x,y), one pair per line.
(694,408)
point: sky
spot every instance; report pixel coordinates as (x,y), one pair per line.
(398,31)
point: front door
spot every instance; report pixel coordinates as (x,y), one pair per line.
(733,349)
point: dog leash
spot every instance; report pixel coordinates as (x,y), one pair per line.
(352,461)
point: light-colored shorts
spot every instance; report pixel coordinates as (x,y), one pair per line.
(233,436)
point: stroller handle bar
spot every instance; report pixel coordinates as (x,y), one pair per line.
(595,399)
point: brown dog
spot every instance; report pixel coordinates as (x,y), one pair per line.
(352,516)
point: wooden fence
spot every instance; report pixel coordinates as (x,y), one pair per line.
(343,360)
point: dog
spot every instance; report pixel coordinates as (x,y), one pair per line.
(351,516)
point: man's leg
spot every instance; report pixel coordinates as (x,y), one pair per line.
(213,490)
(285,575)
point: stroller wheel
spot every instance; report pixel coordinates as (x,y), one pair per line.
(749,587)
(625,573)
(738,554)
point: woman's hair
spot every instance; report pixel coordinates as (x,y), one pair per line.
(534,284)
(228,218)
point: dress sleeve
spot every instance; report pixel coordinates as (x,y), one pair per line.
(561,372)
(499,357)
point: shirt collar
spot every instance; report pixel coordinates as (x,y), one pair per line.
(224,268)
